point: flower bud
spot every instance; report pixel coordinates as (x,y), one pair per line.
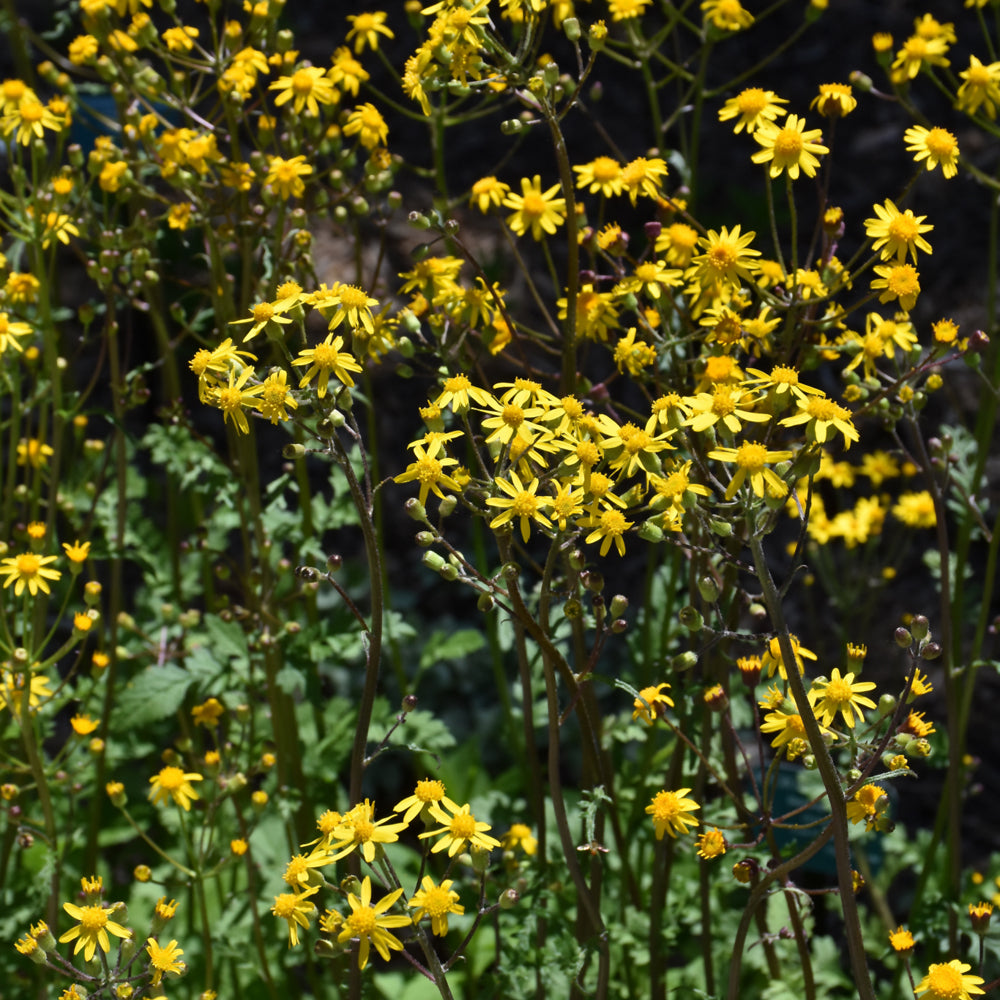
(690,617)
(684,661)
(903,638)
(930,650)
(919,627)
(485,601)
(509,898)
(708,587)
(618,605)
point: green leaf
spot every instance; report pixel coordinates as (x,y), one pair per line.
(451,647)
(156,693)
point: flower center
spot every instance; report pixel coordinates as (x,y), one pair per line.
(362,922)
(752,101)
(788,142)
(751,456)
(463,826)
(93,919)
(262,312)
(940,142)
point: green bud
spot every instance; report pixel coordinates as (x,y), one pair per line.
(708,587)
(447,506)
(920,748)
(415,509)
(903,638)
(425,539)
(691,618)
(930,650)
(618,626)
(449,572)
(920,627)
(650,532)
(571,28)
(809,762)
(509,898)
(684,661)
(886,705)
(619,604)
(721,528)
(511,126)
(573,609)
(485,602)
(293,451)
(434,561)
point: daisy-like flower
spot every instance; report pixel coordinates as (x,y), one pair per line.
(307,88)
(296,909)
(326,359)
(727,15)
(262,316)
(897,282)
(772,659)
(164,959)
(897,234)
(29,570)
(751,460)
(366,29)
(458,830)
(981,88)
(234,396)
(789,147)
(840,695)
(346,72)
(436,902)
(520,502)
(624,10)
(367,123)
(172,783)
(10,331)
(901,940)
(299,872)
(711,844)
(488,193)
(916,510)
(948,981)
(643,176)
(284,176)
(867,806)
(652,703)
(355,305)
(608,526)
(428,469)
(83,725)
(92,929)
(821,415)
(520,835)
(275,396)
(540,211)
(933,146)
(727,258)
(358,828)
(918,51)
(429,791)
(602,174)
(369,923)
(670,812)
(752,108)
(835,100)
(208,713)
(12,689)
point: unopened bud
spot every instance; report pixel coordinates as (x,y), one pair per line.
(920,627)
(903,638)
(930,650)
(690,617)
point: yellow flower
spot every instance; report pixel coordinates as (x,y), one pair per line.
(534,209)
(428,791)
(670,812)
(520,835)
(980,89)
(428,469)
(488,193)
(10,331)
(436,901)
(83,725)
(772,657)
(727,15)
(901,940)
(326,359)
(172,783)
(367,123)
(751,460)
(822,414)
(789,147)
(366,28)
(727,258)
(284,177)
(459,830)
(898,281)
(295,908)
(358,828)
(840,695)
(642,176)
(835,100)
(520,502)
(29,570)
(602,174)
(208,713)
(92,929)
(306,88)
(711,844)
(624,10)
(896,233)
(164,959)
(948,981)
(652,703)
(368,923)
(916,510)
(754,107)
(867,806)
(918,51)
(934,145)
